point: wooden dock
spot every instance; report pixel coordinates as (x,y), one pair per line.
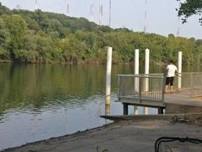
(132,92)
(182,98)
(183,102)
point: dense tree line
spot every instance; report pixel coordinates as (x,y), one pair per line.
(42,37)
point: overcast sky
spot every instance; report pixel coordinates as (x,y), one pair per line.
(161,14)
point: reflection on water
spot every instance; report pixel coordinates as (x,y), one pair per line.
(25,126)
(42,101)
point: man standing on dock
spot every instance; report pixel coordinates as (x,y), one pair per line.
(171,69)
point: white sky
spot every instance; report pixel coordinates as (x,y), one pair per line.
(161,14)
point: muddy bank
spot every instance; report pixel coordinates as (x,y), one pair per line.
(130,135)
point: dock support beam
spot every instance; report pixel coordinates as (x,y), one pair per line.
(160,110)
(125,109)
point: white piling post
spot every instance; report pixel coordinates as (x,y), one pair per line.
(179,70)
(136,61)
(147,53)
(108,76)
(136,72)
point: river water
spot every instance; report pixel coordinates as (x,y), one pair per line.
(43,101)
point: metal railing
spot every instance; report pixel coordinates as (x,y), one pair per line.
(192,82)
(141,87)
(151,87)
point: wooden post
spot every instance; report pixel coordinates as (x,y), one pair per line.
(108,76)
(179,70)
(147,53)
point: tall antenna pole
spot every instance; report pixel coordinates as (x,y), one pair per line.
(178,27)
(18,7)
(145,17)
(36,5)
(91,11)
(110,11)
(100,12)
(67,7)
(178,24)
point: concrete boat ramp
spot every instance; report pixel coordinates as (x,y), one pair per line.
(134,134)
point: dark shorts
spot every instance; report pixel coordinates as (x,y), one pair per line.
(169,81)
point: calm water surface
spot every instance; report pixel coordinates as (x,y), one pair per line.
(42,101)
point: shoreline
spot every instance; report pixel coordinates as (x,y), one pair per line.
(113,135)
(88,62)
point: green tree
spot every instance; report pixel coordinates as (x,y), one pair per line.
(4,40)
(17,28)
(189,8)
(43,37)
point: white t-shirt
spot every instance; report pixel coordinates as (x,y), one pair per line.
(171,69)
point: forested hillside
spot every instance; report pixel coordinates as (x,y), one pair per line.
(42,37)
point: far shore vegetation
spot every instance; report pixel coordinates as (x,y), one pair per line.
(44,37)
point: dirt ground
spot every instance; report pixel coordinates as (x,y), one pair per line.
(122,136)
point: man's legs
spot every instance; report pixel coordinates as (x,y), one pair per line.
(171,84)
(167,88)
